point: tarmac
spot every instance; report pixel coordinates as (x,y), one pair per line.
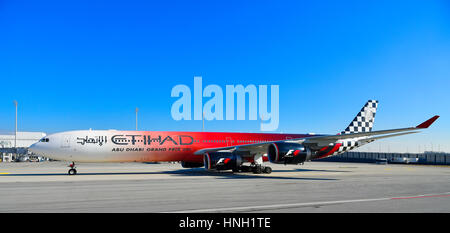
(315,187)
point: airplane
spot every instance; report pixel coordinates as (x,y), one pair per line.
(239,152)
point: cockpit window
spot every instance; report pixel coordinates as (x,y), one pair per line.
(44,140)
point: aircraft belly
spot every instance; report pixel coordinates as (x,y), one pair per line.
(117,154)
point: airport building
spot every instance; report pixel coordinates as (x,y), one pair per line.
(11,146)
(428,157)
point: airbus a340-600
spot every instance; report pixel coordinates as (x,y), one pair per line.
(214,150)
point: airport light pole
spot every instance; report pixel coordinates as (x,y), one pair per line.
(15,134)
(137,109)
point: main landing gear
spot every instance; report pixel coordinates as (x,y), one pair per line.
(72,170)
(257,169)
(257,165)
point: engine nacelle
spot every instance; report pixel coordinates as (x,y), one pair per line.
(221,160)
(288,153)
(191,164)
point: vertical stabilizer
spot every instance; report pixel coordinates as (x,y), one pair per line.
(363,122)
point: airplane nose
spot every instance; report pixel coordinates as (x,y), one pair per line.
(35,148)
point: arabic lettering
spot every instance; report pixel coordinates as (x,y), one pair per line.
(100,140)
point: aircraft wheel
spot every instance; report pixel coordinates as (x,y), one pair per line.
(257,170)
(245,168)
(268,170)
(72,171)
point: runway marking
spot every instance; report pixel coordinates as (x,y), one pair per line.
(420,196)
(4,173)
(293,205)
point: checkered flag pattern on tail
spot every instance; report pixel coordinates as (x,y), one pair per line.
(363,122)
(346,146)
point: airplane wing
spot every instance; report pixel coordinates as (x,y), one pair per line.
(256,147)
(367,136)
(317,142)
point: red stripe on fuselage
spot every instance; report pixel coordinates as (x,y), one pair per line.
(335,148)
(330,152)
(178,146)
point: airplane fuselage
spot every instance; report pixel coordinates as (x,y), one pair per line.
(144,146)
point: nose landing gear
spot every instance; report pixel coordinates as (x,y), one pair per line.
(72,170)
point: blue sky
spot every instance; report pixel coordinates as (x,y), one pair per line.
(89,64)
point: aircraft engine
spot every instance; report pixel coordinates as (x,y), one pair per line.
(288,153)
(222,160)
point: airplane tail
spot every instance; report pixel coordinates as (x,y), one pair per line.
(363,122)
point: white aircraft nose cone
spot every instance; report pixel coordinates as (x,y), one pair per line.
(35,148)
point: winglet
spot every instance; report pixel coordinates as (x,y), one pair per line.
(427,123)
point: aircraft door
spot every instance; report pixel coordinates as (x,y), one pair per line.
(229,141)
(65,143)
